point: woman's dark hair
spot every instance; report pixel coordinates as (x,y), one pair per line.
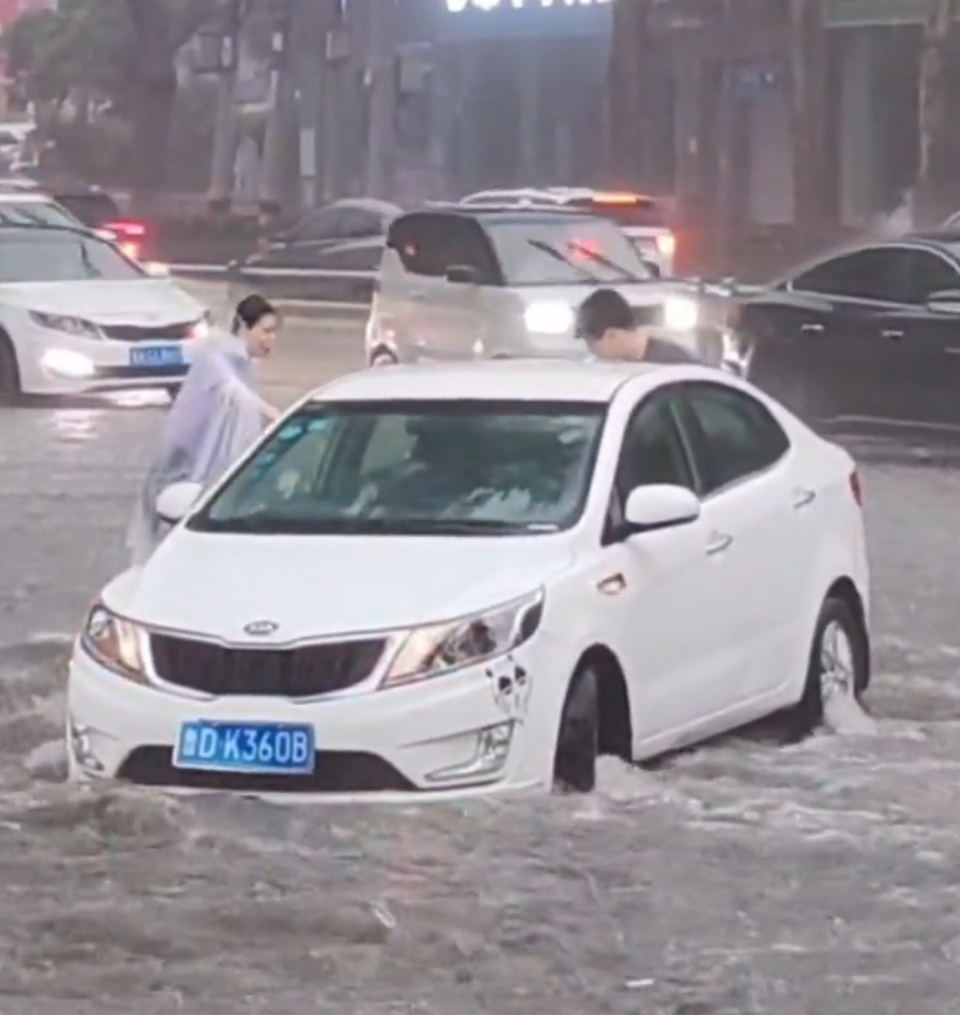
(250,311)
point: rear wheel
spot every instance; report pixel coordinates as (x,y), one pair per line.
(838,668)
(578,740)
(9,373)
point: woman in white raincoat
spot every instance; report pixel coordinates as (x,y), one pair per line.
(216,416)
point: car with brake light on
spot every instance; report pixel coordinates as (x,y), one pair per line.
(645,220)
(452,579)
(459,282)
(77,316)
(97,210)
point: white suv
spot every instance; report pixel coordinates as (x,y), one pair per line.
(463,282)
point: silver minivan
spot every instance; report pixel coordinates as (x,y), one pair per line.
(460,282)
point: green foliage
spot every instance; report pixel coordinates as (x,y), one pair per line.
(95,44)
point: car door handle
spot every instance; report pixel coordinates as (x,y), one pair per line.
(719,543)
(801,497)
(811,329)
(892,333)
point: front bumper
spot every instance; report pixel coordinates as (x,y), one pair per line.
(109,360)
(427,740)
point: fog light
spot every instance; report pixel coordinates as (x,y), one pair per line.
(68,363)
(490,755)
(82,749)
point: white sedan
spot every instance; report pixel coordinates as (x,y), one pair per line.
(441,580)
(76,316)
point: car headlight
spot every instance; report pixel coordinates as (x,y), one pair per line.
(440,648)
(680,313)
(67,324)
(115,643)
(201,328)
(549,318)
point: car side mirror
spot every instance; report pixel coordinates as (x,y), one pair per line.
(945,302)
(462,274)
(176,501)
(660,506)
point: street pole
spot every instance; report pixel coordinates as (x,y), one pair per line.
(382,90)
(225,129)
(278,117)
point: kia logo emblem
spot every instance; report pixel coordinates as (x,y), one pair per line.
(261,628)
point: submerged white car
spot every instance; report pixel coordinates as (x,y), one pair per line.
(444,580)
(78,316)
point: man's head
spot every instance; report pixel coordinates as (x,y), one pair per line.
(605,321)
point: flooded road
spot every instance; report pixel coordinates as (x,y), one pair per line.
(743,877)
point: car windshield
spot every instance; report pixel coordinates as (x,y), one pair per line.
(35,213)
(565,253)
(464,468)
(55,256)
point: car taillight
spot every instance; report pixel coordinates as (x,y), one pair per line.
(667,244)
(132,250)
(126,228)
(856,488)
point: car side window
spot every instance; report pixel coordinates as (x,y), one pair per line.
(653,450)
(879,273)
(930,273)
(430,244)
(733,435)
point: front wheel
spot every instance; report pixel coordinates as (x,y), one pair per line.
(838,669)
(9,374)
(382,357)
(578,740)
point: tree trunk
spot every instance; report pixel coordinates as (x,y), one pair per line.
(936,187)
(159,35)
(625,92)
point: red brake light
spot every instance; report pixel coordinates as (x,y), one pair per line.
(856,488)
(124,227)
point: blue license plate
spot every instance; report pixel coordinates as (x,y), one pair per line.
(245,747)
(157,356)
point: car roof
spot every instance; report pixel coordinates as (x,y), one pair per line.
(22,232)
(24,197)
(532,380)
(495,214)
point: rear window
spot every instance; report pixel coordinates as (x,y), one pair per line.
(558,252)
(91,209)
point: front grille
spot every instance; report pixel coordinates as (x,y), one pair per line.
(287,673)
(335,772)
(153,333)
(648,316)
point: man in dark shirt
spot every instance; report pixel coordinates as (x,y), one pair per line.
(605,321)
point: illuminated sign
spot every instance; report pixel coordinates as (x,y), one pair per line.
(458,6)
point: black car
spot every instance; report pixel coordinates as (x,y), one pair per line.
(867,335)
(331,254)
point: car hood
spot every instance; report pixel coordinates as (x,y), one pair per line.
(316,586)
(137,301)
(637,294)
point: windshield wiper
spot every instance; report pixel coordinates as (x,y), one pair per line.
(595,255)
(562,258)
(276,524)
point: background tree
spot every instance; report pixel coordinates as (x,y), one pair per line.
(124,50)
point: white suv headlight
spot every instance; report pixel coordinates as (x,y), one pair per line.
(114,643)
(680,313)
(440,648)
(550,317)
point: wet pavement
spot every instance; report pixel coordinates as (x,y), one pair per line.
(743,877)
